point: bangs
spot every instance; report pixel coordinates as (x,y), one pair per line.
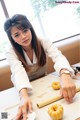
(18,21)
(22,26)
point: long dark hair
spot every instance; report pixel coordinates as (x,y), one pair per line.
(21,22)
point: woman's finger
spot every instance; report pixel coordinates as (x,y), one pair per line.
(24,113)
(65,94)
(19,114)
(74,91)
(30,107)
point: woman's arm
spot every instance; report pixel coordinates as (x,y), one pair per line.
(68,88)
(21,82)
(19,76)
(25,106)
(57,57)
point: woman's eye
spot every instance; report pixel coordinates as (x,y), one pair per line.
(17,35)
(25,30)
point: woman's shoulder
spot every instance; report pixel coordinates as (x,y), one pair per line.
(9,48)
(10,51)
(43,40)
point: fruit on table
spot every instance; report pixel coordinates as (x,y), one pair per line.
(56,112)
(55,85)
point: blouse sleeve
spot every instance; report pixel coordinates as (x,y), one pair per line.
(19,76)
(60,61)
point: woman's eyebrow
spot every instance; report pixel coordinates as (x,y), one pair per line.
(15,33)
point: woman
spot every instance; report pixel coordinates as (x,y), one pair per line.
(28,57)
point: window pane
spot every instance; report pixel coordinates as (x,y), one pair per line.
(61,22)
(23,7)
(53,20)
(3,37)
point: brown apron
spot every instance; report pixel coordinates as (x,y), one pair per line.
(35,71)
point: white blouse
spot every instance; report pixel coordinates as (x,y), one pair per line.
(20,77)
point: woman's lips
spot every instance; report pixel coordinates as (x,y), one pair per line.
(25,41)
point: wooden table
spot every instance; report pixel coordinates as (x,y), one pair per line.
(42,90)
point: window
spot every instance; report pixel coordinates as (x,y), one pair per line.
(60,20)
(3,37)
(53,19)
(23,7)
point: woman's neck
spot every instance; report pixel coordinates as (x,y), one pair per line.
(29,52)
(27,49)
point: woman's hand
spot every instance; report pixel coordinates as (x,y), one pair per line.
(25,106)
(68,87)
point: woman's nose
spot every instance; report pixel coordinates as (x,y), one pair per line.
(23,36)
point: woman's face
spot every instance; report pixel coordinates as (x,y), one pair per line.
(22,37)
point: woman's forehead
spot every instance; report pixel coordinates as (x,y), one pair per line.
(17,28)
(14,29)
